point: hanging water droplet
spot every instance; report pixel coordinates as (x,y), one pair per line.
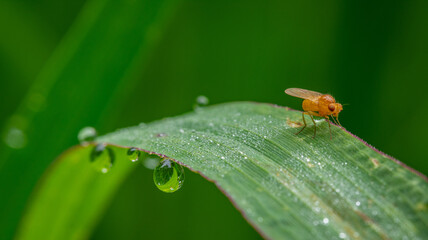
(102,158)
(133,154)
(87,134)
(151,161)
(168,176)
(201,101)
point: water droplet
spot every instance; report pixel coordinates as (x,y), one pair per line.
(102,158)
(133,154)
(325,220)
(342,235)
(358,203)
(87,134)
(168,176)
(201,101)
(15,138)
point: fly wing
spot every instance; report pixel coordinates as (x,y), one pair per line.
(303,93)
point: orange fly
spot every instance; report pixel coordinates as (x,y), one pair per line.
(317,104)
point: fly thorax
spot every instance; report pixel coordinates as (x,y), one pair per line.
(325,103)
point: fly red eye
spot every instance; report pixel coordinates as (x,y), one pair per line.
(331,107)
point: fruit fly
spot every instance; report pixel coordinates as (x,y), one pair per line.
(317,104)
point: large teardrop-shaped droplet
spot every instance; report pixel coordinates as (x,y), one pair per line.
(168,176)
(102,158)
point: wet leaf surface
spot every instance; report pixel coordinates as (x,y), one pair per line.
(286,185)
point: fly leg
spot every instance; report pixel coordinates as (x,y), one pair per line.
(304,121)
(334,120)
(311,114)
(337,119)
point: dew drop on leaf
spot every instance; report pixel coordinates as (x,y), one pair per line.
(201,101)
(87,134)
(325,220)
(133,154)
(102,158)
(168,176)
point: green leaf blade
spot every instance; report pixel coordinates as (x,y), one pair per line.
(71,196)
(287,185)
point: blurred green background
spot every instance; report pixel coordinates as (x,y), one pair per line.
(109,64)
